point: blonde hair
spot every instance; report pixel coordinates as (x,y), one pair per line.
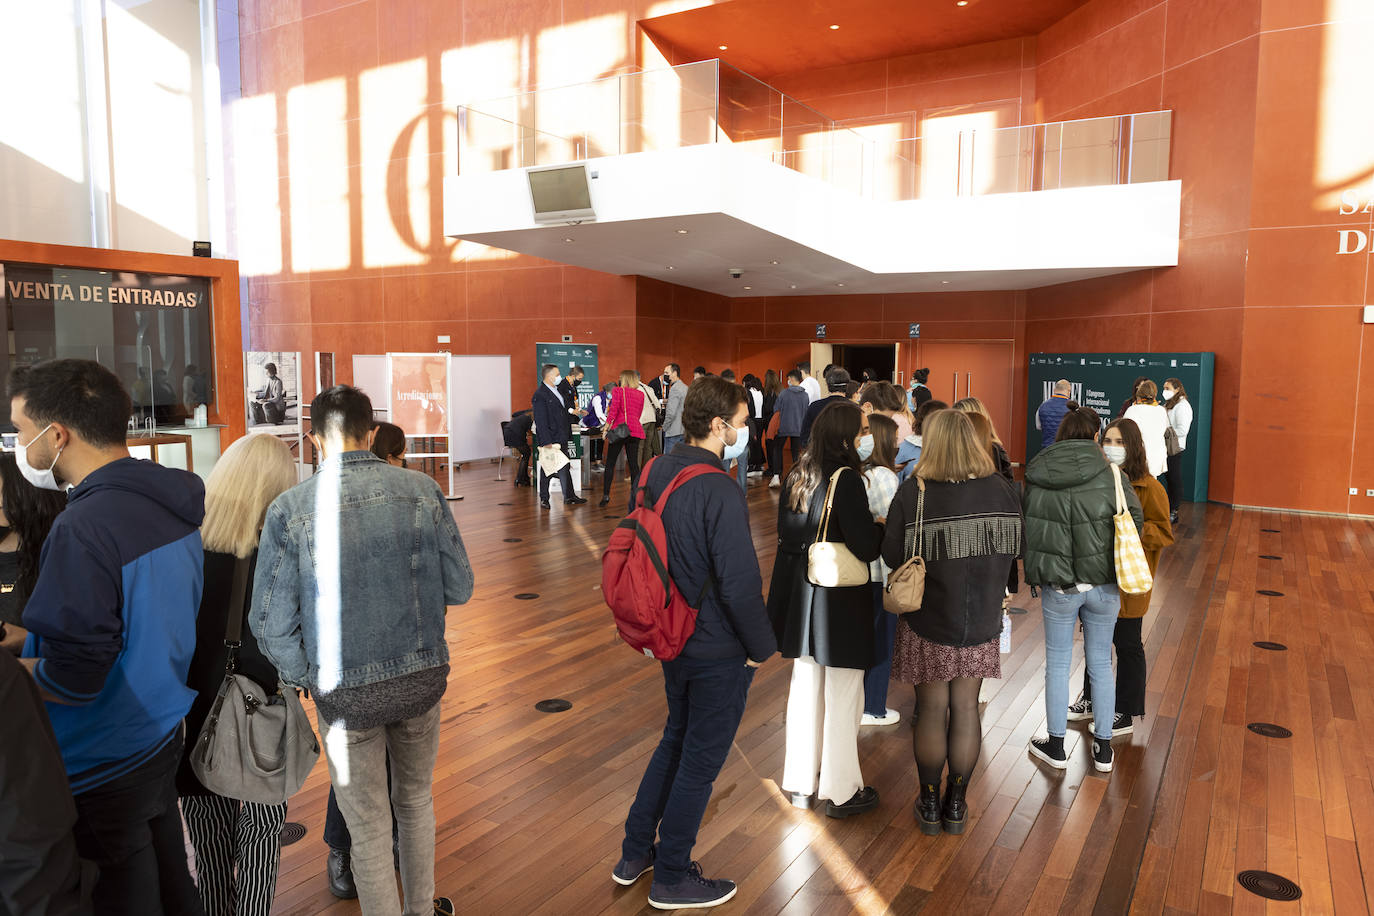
(250,474)
(1145,391)
(973,405)
(629,379)
(950,450)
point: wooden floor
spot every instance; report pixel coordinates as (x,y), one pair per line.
(530,806)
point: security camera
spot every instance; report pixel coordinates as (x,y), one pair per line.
(736,272)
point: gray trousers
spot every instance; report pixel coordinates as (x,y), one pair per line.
(357,767)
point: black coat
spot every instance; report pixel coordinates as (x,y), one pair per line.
(814,411)
(207,663)
(972,533)
(552,422)
(832,625)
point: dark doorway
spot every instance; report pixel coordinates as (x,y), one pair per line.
(880,359)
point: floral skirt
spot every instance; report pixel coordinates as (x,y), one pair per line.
(919,661)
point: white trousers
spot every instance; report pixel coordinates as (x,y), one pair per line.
(824,707)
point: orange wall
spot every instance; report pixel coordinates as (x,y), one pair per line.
(775,328)
(995,76)
(1269,123)
(224,300)
(1261,92)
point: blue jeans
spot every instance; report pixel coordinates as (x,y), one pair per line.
(670,443)
(884,638)
(705,704)
(1097,608)
(741,472)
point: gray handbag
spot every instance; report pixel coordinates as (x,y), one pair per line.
(254,746)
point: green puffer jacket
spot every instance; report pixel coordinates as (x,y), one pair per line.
(1070,500)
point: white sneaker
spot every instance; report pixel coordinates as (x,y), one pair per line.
(775,482)
(892,717)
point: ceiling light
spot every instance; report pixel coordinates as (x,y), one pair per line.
(567,240)
(961,2)
(672,268)
(946,282)
(749,287)
(682,232)
(839,284)
(833,27)
(772,262)
(724,47)
(794,286)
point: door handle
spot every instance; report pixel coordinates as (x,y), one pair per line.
(968,386)
(956,386)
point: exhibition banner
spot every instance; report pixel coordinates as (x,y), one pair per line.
(272,380)
(565,356)
(1103,382)
(419,393)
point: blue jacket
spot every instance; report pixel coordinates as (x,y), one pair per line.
(707,524)
(552,422)
(112,620)
(355,569)
(792,404)
(1048,417)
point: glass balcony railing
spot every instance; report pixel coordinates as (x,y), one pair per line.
(713,102)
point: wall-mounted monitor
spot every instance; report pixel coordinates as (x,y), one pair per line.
(561,194)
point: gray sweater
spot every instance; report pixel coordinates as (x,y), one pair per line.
(672,417)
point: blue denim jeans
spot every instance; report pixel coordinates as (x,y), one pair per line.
(1097,608)
(884,638)
(670,443)
(706,700)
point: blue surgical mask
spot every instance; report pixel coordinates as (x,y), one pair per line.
(865,447)
(741,443)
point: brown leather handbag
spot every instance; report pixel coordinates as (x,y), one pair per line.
(906,585)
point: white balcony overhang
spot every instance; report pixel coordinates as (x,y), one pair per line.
(793,234)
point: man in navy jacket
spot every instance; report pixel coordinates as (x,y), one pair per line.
(710,553)
(836,380)
(553,426)
(112,626)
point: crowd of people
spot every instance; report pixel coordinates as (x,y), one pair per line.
(135,587)
(884,478)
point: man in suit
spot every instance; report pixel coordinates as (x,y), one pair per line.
(553,426)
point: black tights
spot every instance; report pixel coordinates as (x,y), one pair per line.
(947,728)
(631,449)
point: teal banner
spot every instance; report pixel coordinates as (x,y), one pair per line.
(565,356)
(1103,381)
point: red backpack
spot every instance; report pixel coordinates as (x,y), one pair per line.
(650,613)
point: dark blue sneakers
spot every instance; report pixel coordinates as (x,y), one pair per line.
(691,892)
(628,871)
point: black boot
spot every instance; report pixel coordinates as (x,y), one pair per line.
(928,809)
(955,808)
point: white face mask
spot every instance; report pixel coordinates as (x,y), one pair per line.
(865,447)
(1168,394)
(555,380)
(733,451)
(1116,454)
(42,479)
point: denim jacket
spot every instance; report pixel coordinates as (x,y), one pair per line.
(355,569)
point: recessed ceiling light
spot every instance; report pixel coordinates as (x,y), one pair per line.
(749,287)
(945,282)
(833,27)
(724,47)
(772,262)
(567,240)
(794,286)
(839,284)
(672,268)
(961,2)
(682,232)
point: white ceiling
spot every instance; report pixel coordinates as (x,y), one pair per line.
(772,265)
